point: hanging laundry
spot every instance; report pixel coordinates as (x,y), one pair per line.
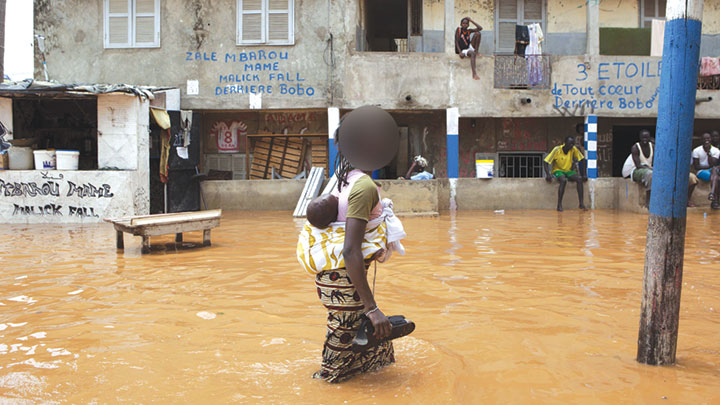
(709,66)
(657,36)
(533,55)
(522,39)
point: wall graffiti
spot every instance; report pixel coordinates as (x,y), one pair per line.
(629,85)
(293,122)
(55,189)
(516,135)
(254,72)
(605,153)
(466,163)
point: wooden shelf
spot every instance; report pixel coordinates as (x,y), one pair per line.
(285,135)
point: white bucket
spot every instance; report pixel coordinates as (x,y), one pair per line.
(44,159)
(484,169)
(67,159)
(21,158)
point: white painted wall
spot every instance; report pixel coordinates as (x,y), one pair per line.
(59,196)
(6,115)
(19,45)
(119,117)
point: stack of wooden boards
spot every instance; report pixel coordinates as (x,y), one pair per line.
(319,152)
(285,155)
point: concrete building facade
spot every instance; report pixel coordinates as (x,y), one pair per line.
(249,67)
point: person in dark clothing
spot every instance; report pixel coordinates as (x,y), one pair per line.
(467,42)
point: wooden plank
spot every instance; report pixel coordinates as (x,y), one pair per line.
(165,229)
(175,217)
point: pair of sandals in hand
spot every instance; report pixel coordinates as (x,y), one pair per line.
(365,340)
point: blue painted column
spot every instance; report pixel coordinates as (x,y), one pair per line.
(333,123)
(591,151)
(453,143)
(591,145)
(657,338)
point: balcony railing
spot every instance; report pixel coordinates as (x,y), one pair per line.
(709,82)
(517,72)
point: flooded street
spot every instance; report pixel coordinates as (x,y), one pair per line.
(527,306)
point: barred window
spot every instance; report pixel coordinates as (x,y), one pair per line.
(521,165)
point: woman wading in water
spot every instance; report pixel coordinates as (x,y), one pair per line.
(367,139)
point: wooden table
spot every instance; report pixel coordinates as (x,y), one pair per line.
(163,224)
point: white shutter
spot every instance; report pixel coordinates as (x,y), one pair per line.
(533,11)
(132,23)
(280,22)
(506,36)
(146,23)
(507,18)
(507,9)
(117,23)
(251,21)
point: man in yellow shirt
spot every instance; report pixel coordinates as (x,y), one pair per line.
(559,164)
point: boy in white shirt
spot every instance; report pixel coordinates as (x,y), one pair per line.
(704,158)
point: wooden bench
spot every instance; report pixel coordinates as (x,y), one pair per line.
(163,224)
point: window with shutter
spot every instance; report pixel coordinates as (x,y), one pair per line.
(509,13)
(267,22)
(651,10)
(132,23)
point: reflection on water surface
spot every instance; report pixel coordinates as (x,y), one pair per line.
(527,306)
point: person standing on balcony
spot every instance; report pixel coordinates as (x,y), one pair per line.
(559,164)
(467,42)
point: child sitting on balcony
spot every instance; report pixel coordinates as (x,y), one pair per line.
(467,41)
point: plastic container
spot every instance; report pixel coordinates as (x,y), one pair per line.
(21,158)
(67,159)
(484,169)
(44,159)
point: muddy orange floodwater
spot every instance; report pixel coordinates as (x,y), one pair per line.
(529,306)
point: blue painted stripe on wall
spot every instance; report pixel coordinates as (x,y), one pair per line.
(676,111)
(592,173)
(453,152)
(591,154)
(591,119)
(332,154)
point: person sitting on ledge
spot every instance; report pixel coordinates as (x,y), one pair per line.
(559,164)
(467,42)
(638,166)
(704,159)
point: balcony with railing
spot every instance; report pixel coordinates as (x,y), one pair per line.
(517,72)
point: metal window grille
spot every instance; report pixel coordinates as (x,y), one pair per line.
(513,72)
(709,83)
(521,165)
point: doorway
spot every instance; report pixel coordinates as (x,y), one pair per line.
(624,137)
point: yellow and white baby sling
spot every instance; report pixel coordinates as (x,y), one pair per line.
(321,249)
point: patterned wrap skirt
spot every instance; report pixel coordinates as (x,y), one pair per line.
(345,310)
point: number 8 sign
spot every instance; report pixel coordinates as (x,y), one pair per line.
(228,138)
